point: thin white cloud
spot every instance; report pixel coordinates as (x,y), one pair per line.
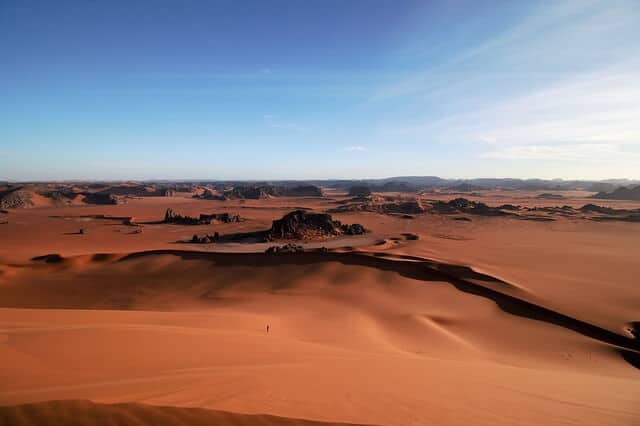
(595,152)
(586,107)
(354,148)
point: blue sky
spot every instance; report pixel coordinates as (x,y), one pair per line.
(319,89)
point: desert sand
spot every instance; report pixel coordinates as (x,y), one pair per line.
(486,321)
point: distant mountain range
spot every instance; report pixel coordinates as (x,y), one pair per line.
(610,188)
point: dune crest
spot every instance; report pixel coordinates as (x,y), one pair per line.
(87,413)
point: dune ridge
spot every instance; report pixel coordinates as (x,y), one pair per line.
(463,278)
(88,413)
(356,336)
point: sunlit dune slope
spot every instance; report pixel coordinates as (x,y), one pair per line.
(360,338)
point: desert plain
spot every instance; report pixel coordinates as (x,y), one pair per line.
(438,314)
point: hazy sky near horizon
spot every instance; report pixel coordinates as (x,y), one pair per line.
(319,89)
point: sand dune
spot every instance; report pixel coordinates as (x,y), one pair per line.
(491,321)
(357,337)
(81,413)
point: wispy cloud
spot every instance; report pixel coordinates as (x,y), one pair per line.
(354,148)
(596,108)
(583,103)
(595,152)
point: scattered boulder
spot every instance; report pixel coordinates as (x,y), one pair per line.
(204,219)
(353,229)
(221,217)
(287,248)
(206,239)
(411,237)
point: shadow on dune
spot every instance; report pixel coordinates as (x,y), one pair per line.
(87,413)
(462,278)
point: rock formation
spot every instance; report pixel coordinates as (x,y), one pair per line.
(301,225)
(287,248)
(256,192)
(100,198)
(302,191)
(462,205)
(550,196)
(404,207)
(359,191)
(16,199)
(204,219)
(622,193)
(207,239)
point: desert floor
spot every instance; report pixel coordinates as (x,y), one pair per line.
(493,321)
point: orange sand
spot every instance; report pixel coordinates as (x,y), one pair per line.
(533,332)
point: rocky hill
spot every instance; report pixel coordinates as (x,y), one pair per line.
(255,192)
(302,225)
(16,199)
(622,193)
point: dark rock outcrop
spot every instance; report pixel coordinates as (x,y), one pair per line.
(221,218)
(208,194)
(16,199)
(593,208)
(250,192)
(550,196)
(404,207)
(204,219)
(359,191)
(622,193)
(462,205)
(256,192)
(206,239)
(100,198)
(287,248)
(300,225)
(302,191)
